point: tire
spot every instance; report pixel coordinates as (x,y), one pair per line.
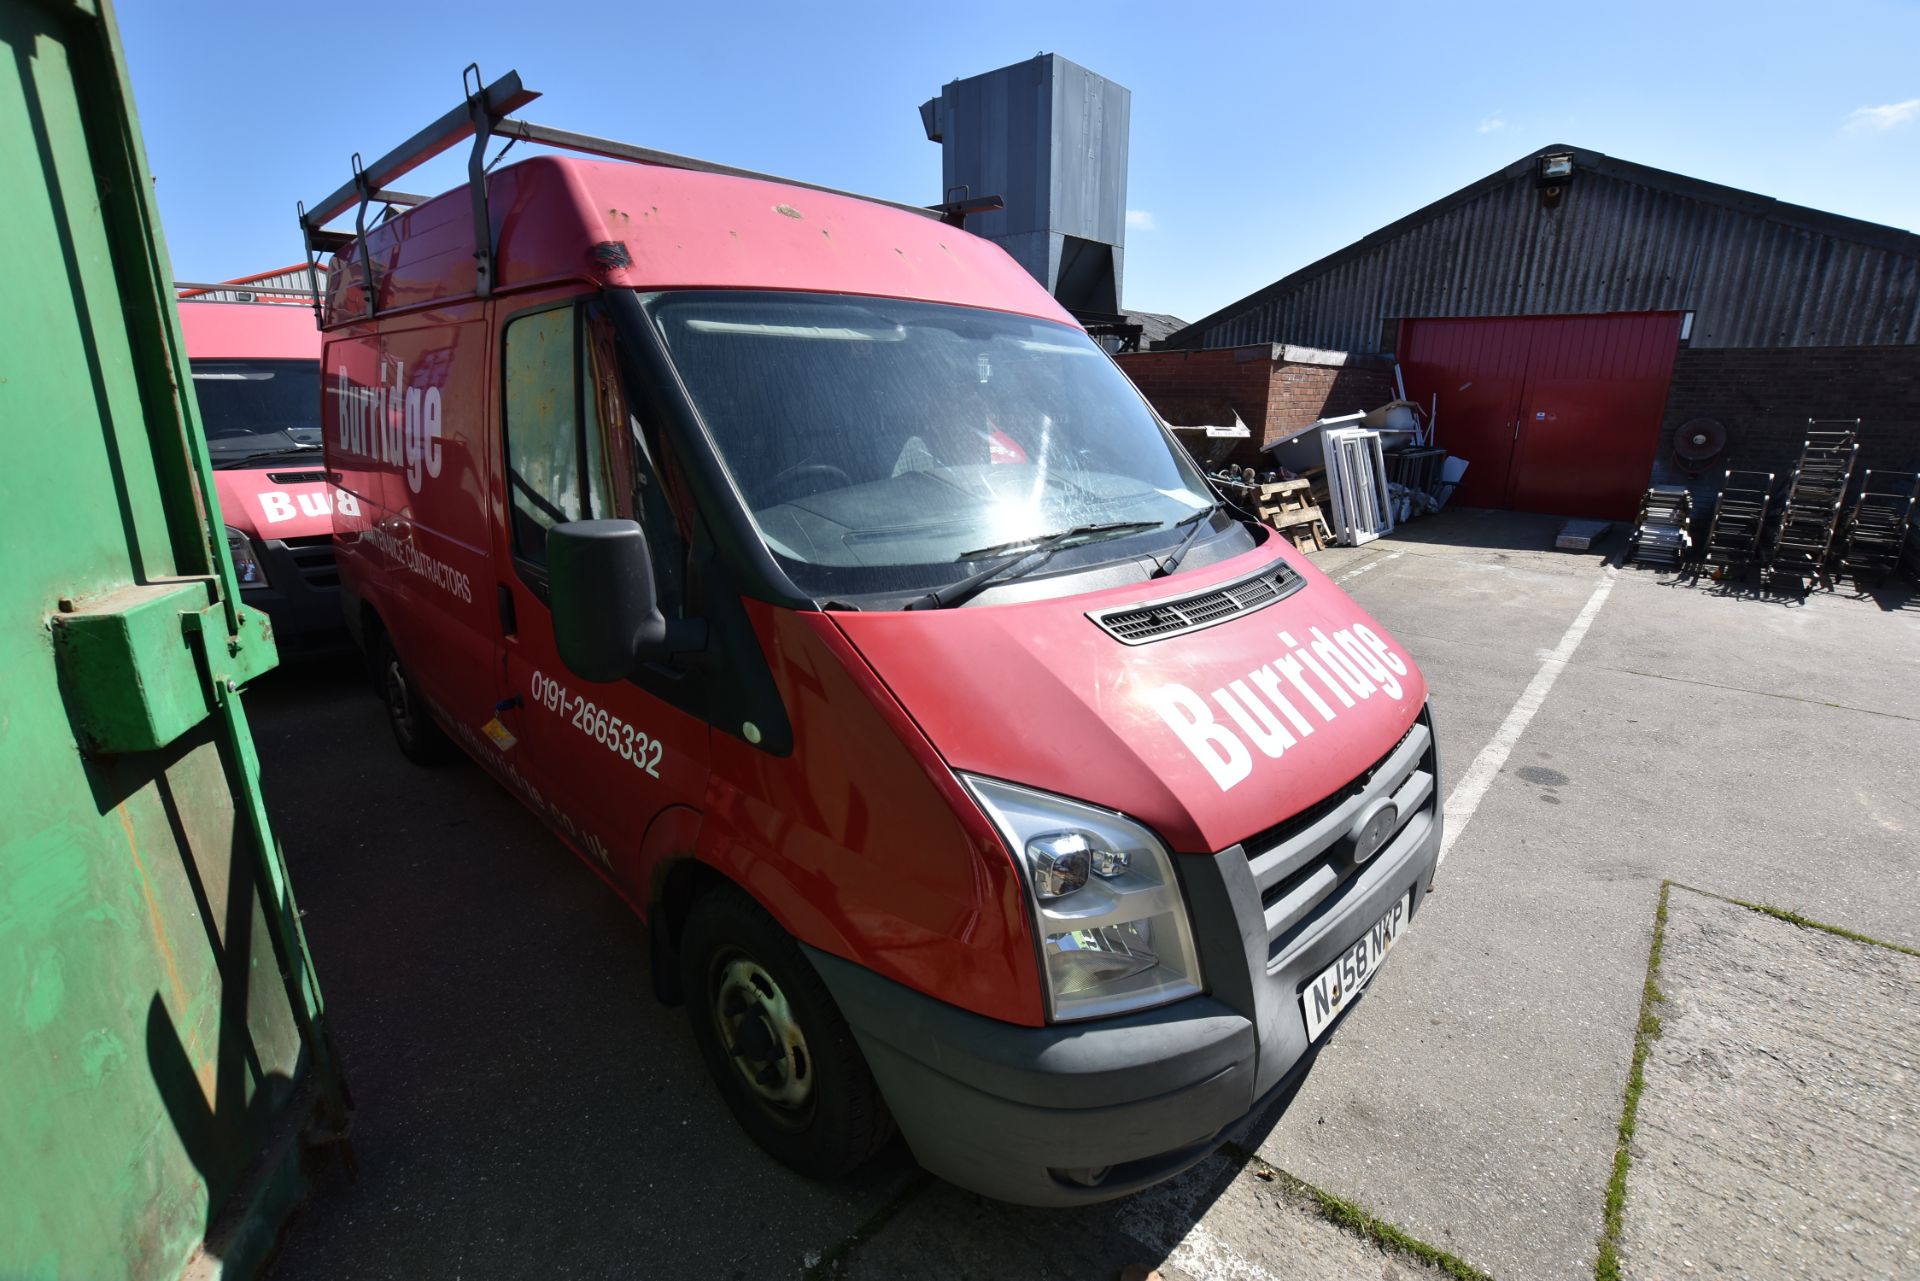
(419,736)
(812,1104)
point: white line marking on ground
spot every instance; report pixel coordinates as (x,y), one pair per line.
(1472,787)
(1369,565)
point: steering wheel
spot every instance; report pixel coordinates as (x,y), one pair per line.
(781,483)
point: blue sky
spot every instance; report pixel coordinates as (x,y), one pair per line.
(1264,135)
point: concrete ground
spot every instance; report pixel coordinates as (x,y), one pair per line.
(1777,1135)
(526,1108)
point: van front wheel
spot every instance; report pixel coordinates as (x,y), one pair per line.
(419,736)
(782,1055)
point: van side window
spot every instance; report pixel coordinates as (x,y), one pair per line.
(618,421)
(556,463)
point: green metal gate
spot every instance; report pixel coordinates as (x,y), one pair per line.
(163,1053)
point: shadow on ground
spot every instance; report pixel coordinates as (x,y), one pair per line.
(1485,528)
(1891,593)
(525,1106)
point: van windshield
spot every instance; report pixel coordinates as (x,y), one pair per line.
(888,446)
(257,410)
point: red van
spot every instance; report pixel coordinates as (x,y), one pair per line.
(256,375)
(839,601)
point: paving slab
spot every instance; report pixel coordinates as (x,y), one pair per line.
(1217,1222)
(1778,1133)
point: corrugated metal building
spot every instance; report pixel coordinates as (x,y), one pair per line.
(1777,314)
(283,284)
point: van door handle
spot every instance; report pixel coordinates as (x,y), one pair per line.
(503,594)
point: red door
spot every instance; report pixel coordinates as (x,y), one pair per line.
(1554,414)
(1590,420)
(1478,371)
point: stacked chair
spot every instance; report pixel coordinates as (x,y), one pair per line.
(1811,514)
(1735,540)
(1876,531)
(1663,535)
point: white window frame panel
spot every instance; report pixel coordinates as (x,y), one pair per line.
(1357,484)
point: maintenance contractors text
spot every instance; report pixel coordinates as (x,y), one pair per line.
(435,571)
(1353,664)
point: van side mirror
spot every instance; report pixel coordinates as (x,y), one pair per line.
(606,611)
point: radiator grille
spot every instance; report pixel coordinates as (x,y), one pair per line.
(1305,866)
(313,557)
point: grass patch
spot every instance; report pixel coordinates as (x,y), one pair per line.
(828,1264)
(1343,1213)
(1606,1264)
(1808,923)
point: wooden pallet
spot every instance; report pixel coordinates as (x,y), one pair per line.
(1290,507)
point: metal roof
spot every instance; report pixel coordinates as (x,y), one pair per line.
(1757,272)
(282,285)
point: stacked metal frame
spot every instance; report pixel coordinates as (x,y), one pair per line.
(1735,539)
(1663,534)
(1876,531)
(1810,516)
(1416,471)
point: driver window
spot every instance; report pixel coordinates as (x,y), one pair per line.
(556,462)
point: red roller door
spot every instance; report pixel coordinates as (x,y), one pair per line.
(1554,413)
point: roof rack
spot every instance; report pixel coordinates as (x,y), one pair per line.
(485,114)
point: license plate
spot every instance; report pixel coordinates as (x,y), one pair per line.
(1340,983)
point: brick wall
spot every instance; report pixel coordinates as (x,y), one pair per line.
(1764,396)
(1274,388)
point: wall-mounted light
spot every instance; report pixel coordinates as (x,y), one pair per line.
(1553,175)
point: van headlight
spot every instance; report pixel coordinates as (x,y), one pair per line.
(246,566)
(1112,924)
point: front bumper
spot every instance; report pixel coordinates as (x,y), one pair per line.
(302,596)
(1008,1111)
(1083,1112)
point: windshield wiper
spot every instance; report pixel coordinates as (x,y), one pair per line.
(1043,541)
(1198,521)
(1038,552)
(242,460)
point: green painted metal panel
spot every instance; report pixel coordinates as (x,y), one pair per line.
(131,661)
(163,1049)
